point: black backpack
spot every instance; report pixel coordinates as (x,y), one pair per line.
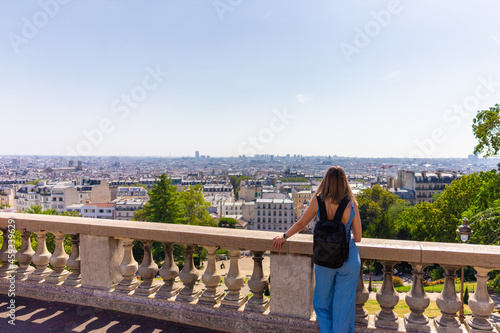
(331,247)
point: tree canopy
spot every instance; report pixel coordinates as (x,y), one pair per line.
(486,129)
(475,196)
(227,222)
(164,204)
(195,207)
(378,209)
(167,205)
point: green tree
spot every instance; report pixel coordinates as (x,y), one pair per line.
(486,227)
(164,204)
(71,213)
(37,209)
(421,222)
(195,207)
(227,222)
(144,186)
(475,196)
(294,180)
(486,129)
(236,181)
(377,219)
(34,182)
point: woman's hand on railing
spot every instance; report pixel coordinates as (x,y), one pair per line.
(278,241)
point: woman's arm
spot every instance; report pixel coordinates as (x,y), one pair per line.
(356,224)
(299,225)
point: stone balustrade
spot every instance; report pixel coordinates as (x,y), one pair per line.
(102,272)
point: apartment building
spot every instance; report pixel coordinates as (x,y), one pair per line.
(231,209)
(273,214)
(126,208)
(211,190)
(63,195)
(33,195)
(94,190)
(98,210)
(418,187)
(250,190)
(132,191)
(301,200)
(428,183)
(7,194)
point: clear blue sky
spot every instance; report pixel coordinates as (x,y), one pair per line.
(355,78)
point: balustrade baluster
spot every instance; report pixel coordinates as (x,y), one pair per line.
(362,296)
(234,281)
(74,261)
(258,284)
(41,258)
(387,297)
(169,272)
(6,269)
(58,261)
(189,275)
(418,301)
(211,278)
(449,304)
(128,268)
(480,304)
(147,271)
(24,256)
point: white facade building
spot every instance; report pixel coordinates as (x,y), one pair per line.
(33,195)
(99,210)
(63,195)
(133,191)
(231,209)
(126,208)
(274,214)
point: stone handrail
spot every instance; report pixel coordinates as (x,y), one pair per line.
(102,260)
(369,248)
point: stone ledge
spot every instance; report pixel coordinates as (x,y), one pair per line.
(380,249)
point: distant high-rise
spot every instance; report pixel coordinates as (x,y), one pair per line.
(197,154)
(473,158)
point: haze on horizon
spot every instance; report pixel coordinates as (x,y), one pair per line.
(368,79)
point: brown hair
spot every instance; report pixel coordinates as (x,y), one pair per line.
(334,186)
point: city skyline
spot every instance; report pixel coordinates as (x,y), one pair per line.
(383,79)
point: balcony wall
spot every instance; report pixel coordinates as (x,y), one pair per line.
(103,274)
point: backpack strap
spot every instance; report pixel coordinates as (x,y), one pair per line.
(322,209)
(340,210)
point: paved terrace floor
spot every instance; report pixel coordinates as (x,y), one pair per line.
(34,316)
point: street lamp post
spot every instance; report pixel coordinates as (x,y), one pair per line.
(463,233)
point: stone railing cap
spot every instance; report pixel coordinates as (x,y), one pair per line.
(369,248)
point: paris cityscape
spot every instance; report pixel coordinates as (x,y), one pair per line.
(66,184)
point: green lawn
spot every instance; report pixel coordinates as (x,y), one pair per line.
(430,289)
(401,308)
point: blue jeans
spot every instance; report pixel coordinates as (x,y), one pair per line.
(335,294)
